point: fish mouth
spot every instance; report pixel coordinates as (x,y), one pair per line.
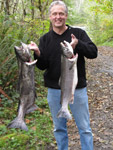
(66,44)
(24,54)
(63,44)
(31,63)
(69,53)
(67,49)
(73,57)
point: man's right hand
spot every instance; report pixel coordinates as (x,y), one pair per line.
(74,41)
(33,46)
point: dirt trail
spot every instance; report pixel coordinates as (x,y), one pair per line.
(100,91)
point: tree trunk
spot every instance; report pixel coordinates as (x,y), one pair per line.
(32,10)
(24,10)
(15,6)
(2,6)
(6,7)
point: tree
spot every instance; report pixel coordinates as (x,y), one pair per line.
(101,20)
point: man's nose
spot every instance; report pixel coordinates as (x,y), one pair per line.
(58,15)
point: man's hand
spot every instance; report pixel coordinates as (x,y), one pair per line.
(34,47)
(74,41)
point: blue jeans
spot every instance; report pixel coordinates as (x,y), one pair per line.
(80,111)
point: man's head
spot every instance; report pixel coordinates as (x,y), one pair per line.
(58,2)
(58,13)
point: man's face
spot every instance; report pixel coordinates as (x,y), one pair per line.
(58,16)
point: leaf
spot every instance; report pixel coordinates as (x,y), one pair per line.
(40,110)
(34,128)
(27,121)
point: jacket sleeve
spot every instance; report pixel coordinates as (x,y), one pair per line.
(42,62)
(86,47)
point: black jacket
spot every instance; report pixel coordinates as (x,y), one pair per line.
(50,58)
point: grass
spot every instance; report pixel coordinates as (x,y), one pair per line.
(39,123)
(110,43)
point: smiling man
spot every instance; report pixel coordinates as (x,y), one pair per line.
(49,59)
(58,18)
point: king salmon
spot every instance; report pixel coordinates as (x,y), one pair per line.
(68,79)
(26,86)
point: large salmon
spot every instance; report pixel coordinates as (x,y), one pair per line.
(26,86)
(68,80)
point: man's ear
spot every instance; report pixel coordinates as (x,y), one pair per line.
(66,16)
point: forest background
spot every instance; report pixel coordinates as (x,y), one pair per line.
(27,20)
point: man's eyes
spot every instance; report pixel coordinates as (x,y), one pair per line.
(60,14)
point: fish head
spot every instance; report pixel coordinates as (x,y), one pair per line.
(67,49)
(23,53)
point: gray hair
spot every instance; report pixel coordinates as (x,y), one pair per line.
(58,2)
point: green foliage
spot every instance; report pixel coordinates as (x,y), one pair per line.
(75,16)
(39,124)
(11,34)
(100,20)
(11,141)
(15,28)
(102,6)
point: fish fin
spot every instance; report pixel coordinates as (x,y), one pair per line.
(18,123)
(71,100)
(72,65)
(74,62)
(64,113)
(59,82)
(31,109)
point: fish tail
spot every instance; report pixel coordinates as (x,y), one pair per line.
(64,113)
(18,123)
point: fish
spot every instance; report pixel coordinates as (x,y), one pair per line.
(26,86)
(68,80)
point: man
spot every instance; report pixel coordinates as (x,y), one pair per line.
(49,58)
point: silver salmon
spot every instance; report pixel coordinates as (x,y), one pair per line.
(68,80)
(26,86)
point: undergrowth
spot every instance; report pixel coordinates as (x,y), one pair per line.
(39,124)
